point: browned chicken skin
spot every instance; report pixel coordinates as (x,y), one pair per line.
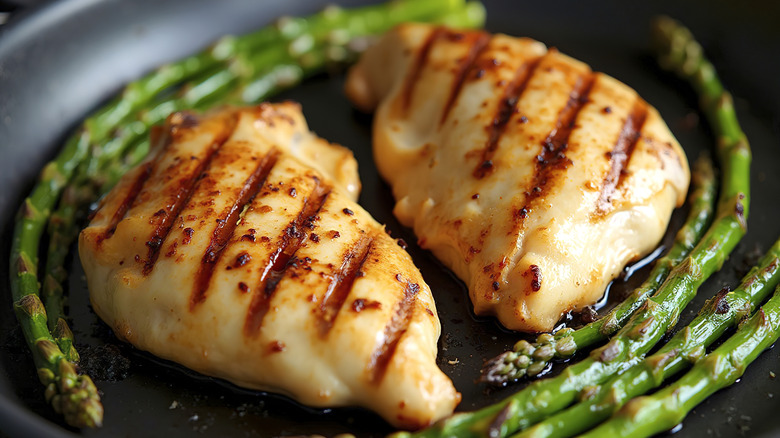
(532,177)
(237,249)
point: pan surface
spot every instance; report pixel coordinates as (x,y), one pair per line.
(60,61)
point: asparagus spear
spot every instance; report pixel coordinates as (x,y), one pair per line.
(661,311)
(73,395)
(527,359)
(645,416)
(288,32)
(722,312)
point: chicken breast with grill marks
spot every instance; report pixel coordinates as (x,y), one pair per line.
(238,250)
(532,177)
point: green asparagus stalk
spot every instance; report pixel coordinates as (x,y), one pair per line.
(287,31)
(118,167)
(722,312)
(277,70)
(62,230)
(70,394)
(61,224)
(648,415)
(678,51)
(527,359)
(661,311)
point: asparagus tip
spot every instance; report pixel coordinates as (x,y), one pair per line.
(75,397)
(527,359)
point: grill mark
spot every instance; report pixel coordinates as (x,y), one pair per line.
(132,194)
(621,154)
(478,46)
(291,240)
(342,283)
(419,63)
(227,226)
(504,112)
(394,330)
(552,156)
(168,217)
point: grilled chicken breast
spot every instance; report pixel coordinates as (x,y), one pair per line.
(238,250)
(532,177)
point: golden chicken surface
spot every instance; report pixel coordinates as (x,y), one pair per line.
(532,177)
(237,250)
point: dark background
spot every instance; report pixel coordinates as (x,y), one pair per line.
(60,60)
